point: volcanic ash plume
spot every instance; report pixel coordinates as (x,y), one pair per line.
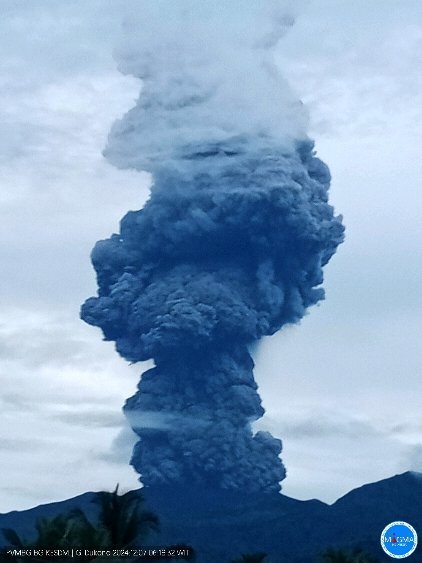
(229,248)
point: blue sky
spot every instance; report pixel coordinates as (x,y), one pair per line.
(343,388)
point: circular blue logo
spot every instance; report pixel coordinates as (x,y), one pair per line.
(399,540)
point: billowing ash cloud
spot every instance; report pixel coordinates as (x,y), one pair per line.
(230,246)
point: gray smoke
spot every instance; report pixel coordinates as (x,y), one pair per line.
(230,246)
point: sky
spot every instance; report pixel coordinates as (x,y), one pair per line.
(343,388)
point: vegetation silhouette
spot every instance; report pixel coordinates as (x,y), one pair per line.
(124,518)
(251,558)
(68,530)
(357,555)
(122,521)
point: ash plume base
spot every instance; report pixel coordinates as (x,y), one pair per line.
(205,404)
(229,248)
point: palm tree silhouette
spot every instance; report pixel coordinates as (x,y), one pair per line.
(122,520)
(69,530)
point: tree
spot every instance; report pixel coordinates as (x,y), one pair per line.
(122,520)
(68,530)
(342,556)
(251,558)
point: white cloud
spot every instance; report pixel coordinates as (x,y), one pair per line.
(62,393)
(328,452)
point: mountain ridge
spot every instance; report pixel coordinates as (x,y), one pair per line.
(251,523)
